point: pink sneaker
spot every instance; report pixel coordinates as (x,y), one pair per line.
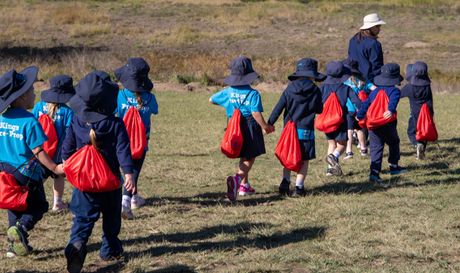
(233,182)
(246,190)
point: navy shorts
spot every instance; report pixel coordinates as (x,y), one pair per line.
(253,138)
(352,123)
(339,134)
(307,148)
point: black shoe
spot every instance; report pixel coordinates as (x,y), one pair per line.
(75,254)
(284,187)
(335,166)
(375,178)
(397,170)
(299,192)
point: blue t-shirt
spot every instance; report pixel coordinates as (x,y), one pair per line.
(20,133)
(233,97)
(62,119)
(127,98)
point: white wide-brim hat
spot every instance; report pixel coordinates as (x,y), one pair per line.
(371,20)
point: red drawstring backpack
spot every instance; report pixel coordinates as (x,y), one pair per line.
(12,195)
(136,132)
(88,171)
(288,148)
(232,142)
(426,128)
(362,95)
(50,146)
(332,116)
(375,112)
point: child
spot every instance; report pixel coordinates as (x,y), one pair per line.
(21,143)
(94,104)
(300,101)
(241,94)
(355,81)
(386,133)
(136,93)
(53,103)
(418,90)
(336,75)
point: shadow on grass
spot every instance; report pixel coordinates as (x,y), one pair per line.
(177,268)
(20,53)
(455,140)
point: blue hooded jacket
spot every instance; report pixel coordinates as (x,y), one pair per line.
(369,54)
(301,101)
(418,95)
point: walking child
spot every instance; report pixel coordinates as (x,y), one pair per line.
(95,124)
(382,122)
(300,101)
(136,94)
(337,139)
(53,103)
(418,90)
(241,95)
(21,143)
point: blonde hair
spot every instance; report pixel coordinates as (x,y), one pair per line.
(52,109)
(139,99)
(92,137)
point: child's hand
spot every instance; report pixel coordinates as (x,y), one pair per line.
(373,87)
(387,114)
(130,184)
(269,129)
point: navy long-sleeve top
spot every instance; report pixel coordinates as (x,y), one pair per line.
(393,94)
(300,101)
(343,92)
(112,142)
(369,54)
(418,95)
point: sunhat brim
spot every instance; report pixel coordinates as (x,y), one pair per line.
(30,74)
(86,114)
(307,73)
(336,80)
(132,83)
(384,81)
(53,95)
(369,25)
(237,80)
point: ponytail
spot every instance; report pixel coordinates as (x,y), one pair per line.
(92,137)
(139,99)
(52,109)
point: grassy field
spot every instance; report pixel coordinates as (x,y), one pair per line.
(343,224)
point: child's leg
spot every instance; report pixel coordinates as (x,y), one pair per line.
(58,190)
(332,144)
(340,148)
(286,174)
(376,146)
(349,148)
(128,200)
(392,139)
(300,180)
(411,127)
(361,139)
(111,224)
(244,168)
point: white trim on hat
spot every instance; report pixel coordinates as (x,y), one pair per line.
(371,20)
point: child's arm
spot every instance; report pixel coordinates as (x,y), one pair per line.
(261,121)
(46,161)
(125,160)
(279,107)
(318,102)
(406,91)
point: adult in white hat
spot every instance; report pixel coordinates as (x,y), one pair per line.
(366,49)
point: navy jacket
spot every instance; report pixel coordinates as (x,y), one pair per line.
(112,141)
(393,94)
(418,95)
(300,101)
(368,52)
(343,92)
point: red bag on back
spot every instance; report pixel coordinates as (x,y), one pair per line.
(50,146)
(88,171)
(332,116)
(362,95)
(12,195)
(426,128)
(288,148)
(136,132)
(375,112)
(232,142)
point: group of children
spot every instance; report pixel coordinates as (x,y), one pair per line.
(303,100)
(93,113)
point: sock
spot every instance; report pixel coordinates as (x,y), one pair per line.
(299,183)
(336,154)
(57,199)
(329,166)
(126,200)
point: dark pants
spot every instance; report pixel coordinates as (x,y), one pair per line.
(386,134)
(36,200)
(136,172)
(411,131)
(87,208)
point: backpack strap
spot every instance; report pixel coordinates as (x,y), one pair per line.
(245,98)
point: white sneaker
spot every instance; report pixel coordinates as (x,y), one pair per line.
(126,212)
(137,201)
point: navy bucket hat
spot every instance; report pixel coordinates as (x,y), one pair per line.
(14,84)
(353,67)
(409,72)
(420,74)
(389,75)
(61,90)
(134,75)
(307,67)
(95,98)
(336,73)
(241,72)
